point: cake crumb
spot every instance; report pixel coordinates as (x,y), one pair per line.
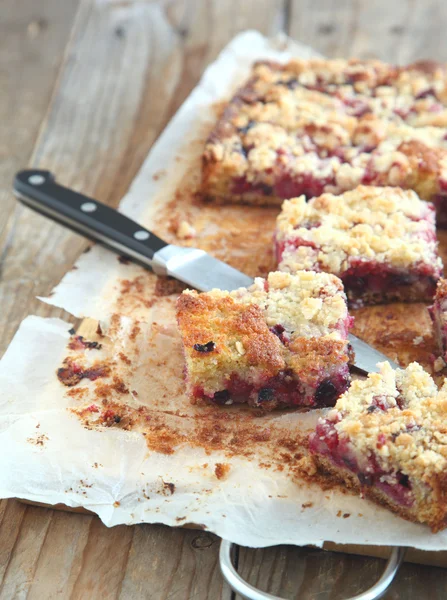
(439,364)
(169,487)
(240,348)
(159,174)
(221,470)
(418,340)
(185,231)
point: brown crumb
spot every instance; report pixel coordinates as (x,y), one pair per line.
(166,286)
(307,505)
(72,373)
(135,331)
(346,515)
(124,358)
(116,504)
(339,514)
(170,487)
(222,470)
(159,174)
(39,440)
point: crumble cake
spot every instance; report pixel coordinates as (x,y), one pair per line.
(281,342)
(387,439)
(381,242)
(438,314)
(314,126)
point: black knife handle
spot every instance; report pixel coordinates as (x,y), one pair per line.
(38,190)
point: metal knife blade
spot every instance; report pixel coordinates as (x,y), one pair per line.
(38,190)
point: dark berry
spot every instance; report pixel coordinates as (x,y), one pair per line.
(412,428)
(365,479)
(279,330)
(372,408)
(403,480)
(291,84)
(355,283)
(208,347)
(403,279)
(326,393)
(380,402)
(247,127)
(266,394)
(221,397)
(117,419)
(425,93)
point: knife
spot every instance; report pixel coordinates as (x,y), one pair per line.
(38,190)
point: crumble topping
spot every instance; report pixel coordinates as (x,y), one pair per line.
(306,304)
(399,416)
(384,225)
(326,126)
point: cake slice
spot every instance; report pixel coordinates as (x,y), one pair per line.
(438,313)
(309,127)
(381,242)
(387,439)
(281,342)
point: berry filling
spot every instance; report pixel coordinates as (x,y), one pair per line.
(326,441)
(282,389)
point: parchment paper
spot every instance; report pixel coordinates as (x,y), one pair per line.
(239,475)
(48,456)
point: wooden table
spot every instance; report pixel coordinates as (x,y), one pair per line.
(87,86)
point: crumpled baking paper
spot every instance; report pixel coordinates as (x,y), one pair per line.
(49,456)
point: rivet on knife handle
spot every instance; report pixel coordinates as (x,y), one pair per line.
(95,220)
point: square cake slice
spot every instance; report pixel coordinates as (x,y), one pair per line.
(281,342)
(381,242)
(315,126)
(387,439)
(438,313)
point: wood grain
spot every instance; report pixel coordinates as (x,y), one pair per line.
(304,573)
(399,31)
(126,67)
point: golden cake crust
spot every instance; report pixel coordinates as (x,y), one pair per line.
(287,333)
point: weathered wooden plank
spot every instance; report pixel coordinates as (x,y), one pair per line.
(32,41)
(303,573)
(191,571)
(204,28)
(400,31)
(127,67)
(22,564)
